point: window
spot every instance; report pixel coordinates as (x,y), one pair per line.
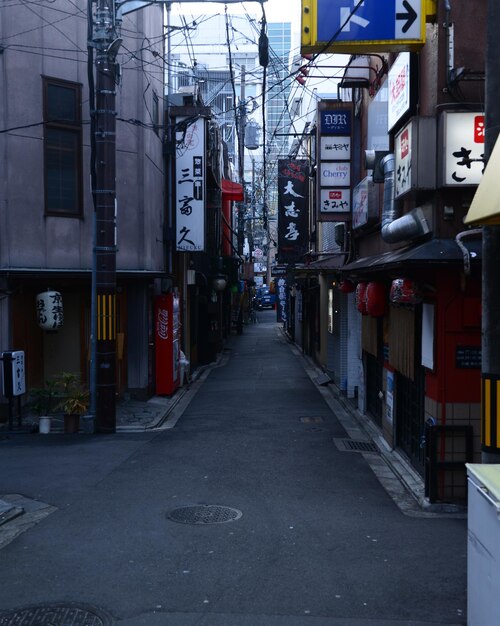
(62,147)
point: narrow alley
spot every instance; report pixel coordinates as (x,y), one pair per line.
(245,513)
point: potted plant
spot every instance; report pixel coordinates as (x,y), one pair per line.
(42,405)
(75,401)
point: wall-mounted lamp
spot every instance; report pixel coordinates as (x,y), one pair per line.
(219,283)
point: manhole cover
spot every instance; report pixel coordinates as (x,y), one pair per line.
(352,445)
(204,514)
(56,615)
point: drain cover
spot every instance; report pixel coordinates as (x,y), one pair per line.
(56,615)
(204,514)
(352,445)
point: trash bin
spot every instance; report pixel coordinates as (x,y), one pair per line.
(483,545)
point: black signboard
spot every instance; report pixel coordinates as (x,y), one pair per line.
(468,357)
(293,205)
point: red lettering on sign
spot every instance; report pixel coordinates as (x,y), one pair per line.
(479,129)
(335,195)
(405,144)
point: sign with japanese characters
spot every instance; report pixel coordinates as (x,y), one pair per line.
(335,200)
(335,173)
(190,185)
(402,154)
(14,380)
(335,148)
(49,310)
(463,148)
(360,204)
(293,192)
(282,290)
(398,82)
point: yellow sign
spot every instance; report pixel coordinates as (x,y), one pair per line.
(485,207)
(362,26)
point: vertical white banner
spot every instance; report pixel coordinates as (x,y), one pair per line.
(190,185)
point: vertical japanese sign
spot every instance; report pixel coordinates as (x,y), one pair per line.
(293,196)
(399,89)
(335,161)
(281,293)
(14,381)
(190,185)
(463,149)
(403,156)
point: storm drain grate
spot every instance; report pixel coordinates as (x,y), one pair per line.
(56,615)
(204,514)
(353,445)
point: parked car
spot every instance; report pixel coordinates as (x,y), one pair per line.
(264,299)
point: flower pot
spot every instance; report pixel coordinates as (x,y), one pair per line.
(44,425)
(71,422)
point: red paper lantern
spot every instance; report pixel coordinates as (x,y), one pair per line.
(346,286)
(361,298)
(376,299)
(405,291)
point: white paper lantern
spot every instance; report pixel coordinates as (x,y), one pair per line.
(49,310)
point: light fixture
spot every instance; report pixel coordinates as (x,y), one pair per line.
(219,283)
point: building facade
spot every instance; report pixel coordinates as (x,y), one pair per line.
(391,307)
(46,204)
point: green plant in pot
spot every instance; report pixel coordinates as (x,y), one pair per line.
(75,400)
(43,398)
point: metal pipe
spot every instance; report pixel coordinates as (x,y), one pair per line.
(395,229)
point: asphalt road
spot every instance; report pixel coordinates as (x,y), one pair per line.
(317,540)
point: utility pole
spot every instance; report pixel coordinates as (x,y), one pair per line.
(241,159)
(490,404)
(106,44)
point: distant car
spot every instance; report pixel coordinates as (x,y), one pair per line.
(264,299)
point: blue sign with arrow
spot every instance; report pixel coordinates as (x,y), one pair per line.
(362,25)
(352,20)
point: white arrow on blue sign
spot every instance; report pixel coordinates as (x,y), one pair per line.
(369,20)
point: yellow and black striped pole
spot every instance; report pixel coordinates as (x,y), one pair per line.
(490,409)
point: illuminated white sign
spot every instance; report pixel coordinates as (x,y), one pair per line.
(335,148)
(190,192)
(463,149)
(399,89)
(335,200)
(335,174)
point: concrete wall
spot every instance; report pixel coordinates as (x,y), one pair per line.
(29,238)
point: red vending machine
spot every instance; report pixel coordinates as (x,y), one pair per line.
(167,341)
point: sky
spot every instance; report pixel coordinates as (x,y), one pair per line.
(276,10)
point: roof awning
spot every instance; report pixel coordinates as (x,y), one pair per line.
(431,253)
(232,190)
(485,207)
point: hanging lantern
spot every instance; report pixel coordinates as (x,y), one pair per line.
(376,299)
(347,286)
(49,310)
(361,298)
(405,291)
